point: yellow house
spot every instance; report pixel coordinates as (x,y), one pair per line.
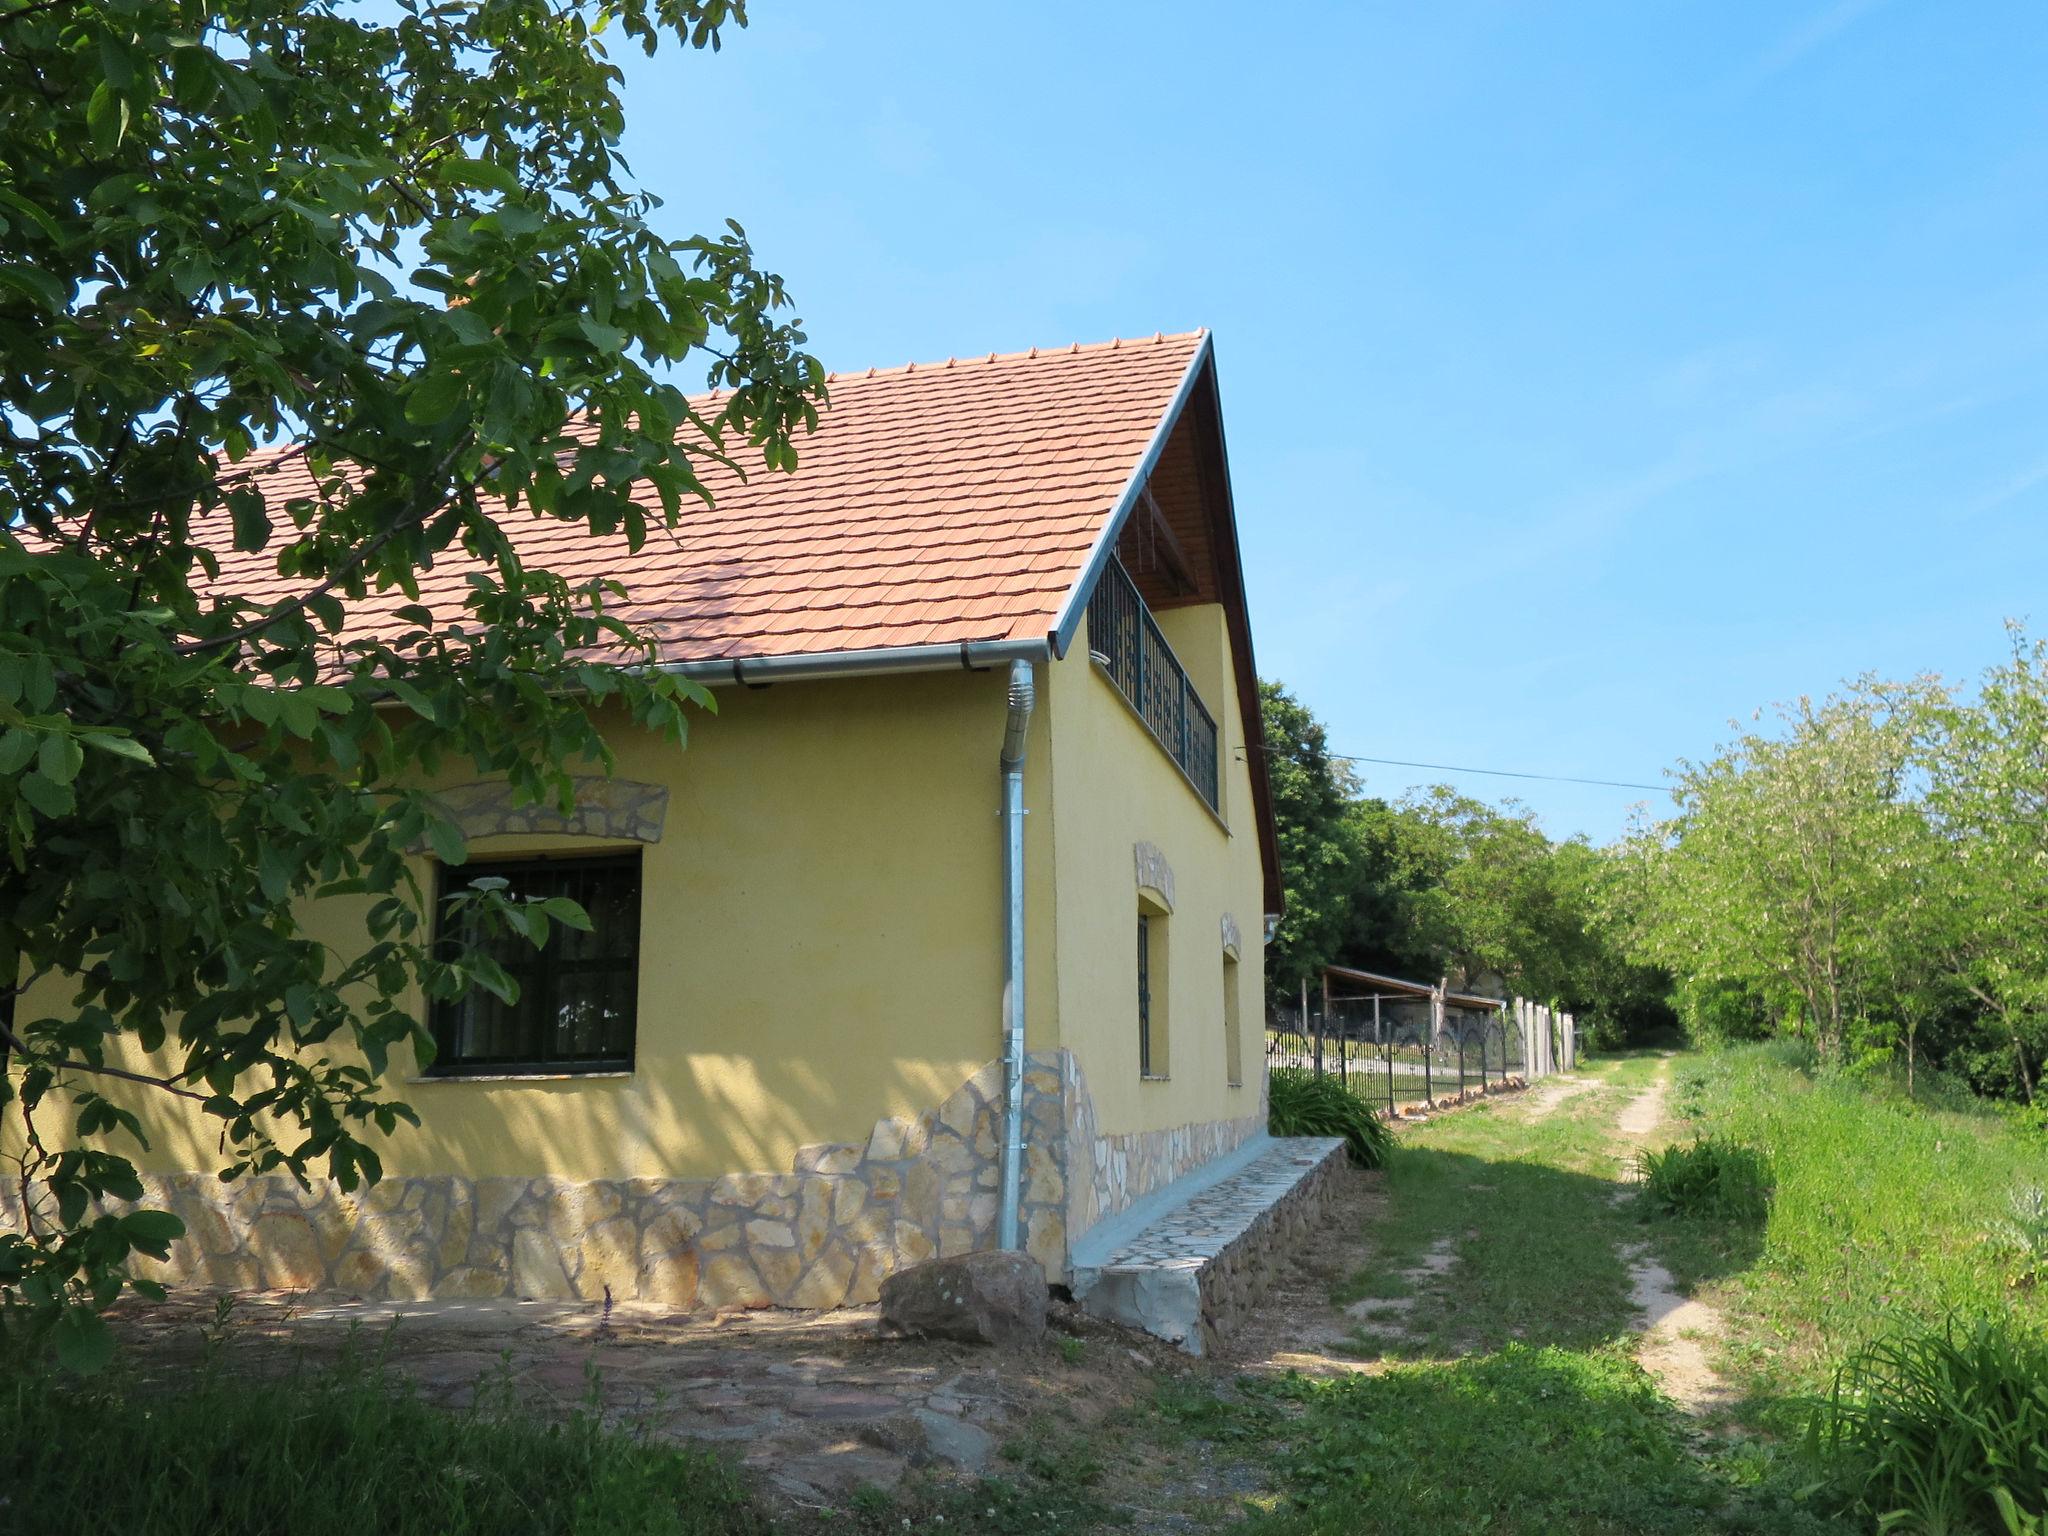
(937,937)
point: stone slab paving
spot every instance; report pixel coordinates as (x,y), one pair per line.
(816,1404)
(1205,1257)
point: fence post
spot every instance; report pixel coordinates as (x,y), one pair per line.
(1461,1063)
(1379,1038)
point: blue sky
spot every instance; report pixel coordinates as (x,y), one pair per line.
(1592,373)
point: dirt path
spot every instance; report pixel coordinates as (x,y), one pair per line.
(1676,1329)
(1546,1097)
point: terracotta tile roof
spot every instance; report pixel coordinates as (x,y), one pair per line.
(936,503)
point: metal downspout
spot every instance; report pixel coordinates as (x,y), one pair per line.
(1015,730)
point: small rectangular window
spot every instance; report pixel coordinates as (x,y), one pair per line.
(577,993)
(1144,995)
(1153,1013)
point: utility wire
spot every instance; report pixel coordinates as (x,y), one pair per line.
(1496,773)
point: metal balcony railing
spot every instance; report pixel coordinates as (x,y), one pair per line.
(1130,648)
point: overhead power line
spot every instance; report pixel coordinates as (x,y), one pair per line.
(1498,773)
(1495,773)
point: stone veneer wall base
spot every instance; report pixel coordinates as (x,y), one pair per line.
(822,1235)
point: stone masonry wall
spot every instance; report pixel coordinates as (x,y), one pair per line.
(1124,1167)
(1236,1280)
(822,1235)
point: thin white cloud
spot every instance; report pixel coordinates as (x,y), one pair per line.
(1816,32)
(2011,490)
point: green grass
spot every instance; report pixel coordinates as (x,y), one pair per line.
(1525,1213)
(1528,1440)
(1884,1214)
(341,1451)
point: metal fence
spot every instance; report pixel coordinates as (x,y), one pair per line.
(1390,1051)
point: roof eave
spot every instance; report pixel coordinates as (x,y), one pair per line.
(952,656)
(1075,606)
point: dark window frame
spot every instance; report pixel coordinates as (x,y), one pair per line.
(540,972)
(1144,994)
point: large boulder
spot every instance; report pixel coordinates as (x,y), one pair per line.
(977,1298)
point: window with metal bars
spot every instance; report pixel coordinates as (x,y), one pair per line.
(577,993)
(1126,642)
(1144,995)
(1154,1014)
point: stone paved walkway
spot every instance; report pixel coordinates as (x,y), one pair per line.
(1190,1263)
(817,1404)
(1195,1232)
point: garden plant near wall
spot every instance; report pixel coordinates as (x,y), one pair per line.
(400,237)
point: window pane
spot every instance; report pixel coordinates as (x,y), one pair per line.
(576,998)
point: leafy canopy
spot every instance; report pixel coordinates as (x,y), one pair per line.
(1872,871)
(398,238)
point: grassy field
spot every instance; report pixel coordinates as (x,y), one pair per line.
(1885,1213)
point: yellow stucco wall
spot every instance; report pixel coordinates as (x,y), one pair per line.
(821,929)
(820,941)
(1113,786)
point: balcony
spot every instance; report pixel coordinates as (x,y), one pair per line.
(1128,646)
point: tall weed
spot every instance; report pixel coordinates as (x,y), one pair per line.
(1710,1177)
(1943,1431)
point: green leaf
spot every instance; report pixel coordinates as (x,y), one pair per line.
(84,1342)
(106,118)
(515,220)
(251,519)
(152,1231)
(447,841)
(16,748)
(119,746)
(434,398)
(465,172)
(50,799)
(59,758)
(37,285)
(566,912)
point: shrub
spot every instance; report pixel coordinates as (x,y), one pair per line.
(1303,1104)
(1711,1177)
(2023,1236)
(1942,1431)
(2029,1120)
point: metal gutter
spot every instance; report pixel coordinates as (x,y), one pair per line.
(1016,735)
(1134,489)
(969,655)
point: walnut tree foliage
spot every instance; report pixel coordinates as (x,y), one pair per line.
(399,238)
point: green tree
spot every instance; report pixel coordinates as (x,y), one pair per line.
(400,237)
(1319,843)
(1788,870)
(1984,895)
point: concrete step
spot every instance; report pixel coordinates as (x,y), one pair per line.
(1189,1261)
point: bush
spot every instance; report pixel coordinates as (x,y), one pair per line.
(1303,1104)
(1942,1431)
(338,1452)
(1711,1177)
